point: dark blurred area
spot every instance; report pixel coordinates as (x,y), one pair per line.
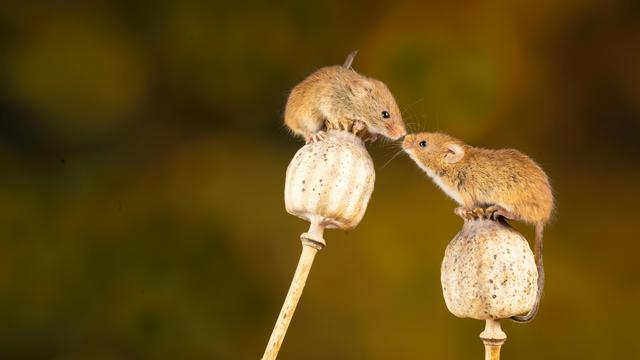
(142,158)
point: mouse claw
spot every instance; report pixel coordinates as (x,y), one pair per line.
(358,126)
(319,136)
(344,124)
(464,213)
(479,213)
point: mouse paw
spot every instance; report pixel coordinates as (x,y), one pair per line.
(345,124)
(475,213)
(358,126)
(319,136)
(464,213)
(495,212)
(480,213)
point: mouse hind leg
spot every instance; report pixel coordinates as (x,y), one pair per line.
(495,212)
(316,126)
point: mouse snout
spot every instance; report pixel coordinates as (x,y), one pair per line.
(409,141)
(397,131)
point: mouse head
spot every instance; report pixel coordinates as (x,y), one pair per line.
(378,108)
(434,152)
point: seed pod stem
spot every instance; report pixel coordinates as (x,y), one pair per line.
(312,242)
(492,337)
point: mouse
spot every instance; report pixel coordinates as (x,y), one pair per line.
(503,184)
(337,97)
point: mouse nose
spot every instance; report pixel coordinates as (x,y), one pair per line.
(397,132)
(408,141)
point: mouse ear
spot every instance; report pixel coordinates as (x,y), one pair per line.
(455,152)
(360,88)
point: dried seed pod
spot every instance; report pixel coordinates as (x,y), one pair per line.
(488,272)
(330,181)
(329,184)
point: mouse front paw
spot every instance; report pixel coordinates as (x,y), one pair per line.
(360,130)
(316,137)
(358,126)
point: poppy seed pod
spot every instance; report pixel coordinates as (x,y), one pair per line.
(488,272)
(330,182)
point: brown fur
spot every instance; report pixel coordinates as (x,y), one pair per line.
(341,96)
(507,178)
(477,177)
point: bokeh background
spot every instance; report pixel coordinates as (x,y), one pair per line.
(142,162)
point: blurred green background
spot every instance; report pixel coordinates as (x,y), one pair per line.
(142,162)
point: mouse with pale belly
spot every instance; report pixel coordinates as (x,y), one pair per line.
(499,183)
(337,97)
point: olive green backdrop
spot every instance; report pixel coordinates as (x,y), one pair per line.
(142,162)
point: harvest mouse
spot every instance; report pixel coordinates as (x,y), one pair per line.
(340,98)
(506,182)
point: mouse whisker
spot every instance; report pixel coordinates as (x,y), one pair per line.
(408,107)
(393,157)
(389,144)
(412,126)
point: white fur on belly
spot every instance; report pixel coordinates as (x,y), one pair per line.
(455,195)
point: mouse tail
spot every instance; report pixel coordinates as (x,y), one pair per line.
(349,60)
(540,267)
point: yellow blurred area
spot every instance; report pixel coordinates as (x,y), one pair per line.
(80,77)
(143,159)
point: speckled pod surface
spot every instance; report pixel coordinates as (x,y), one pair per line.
(330,181)
(488,272)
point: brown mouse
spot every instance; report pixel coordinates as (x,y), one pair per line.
(502,183)
(340,98)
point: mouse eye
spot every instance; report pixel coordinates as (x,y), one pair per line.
(386,115)
(423,143)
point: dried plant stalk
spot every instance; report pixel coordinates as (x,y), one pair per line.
(493,337)
(312,242)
